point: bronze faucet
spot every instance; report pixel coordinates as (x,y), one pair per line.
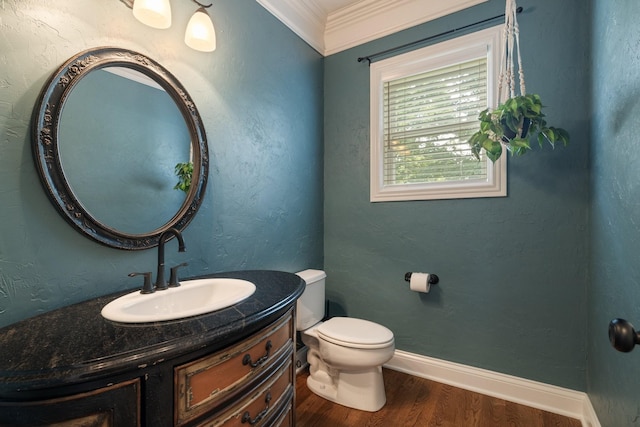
(161,284)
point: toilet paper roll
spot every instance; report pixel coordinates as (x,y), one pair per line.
(420,282)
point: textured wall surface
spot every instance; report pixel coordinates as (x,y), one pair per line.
(512,295)
(615,286)
(260,97)
(514,271)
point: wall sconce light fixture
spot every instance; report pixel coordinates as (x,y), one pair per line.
(199,35)
(154,13)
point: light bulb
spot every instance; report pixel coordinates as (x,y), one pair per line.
(200,34)
(154,13)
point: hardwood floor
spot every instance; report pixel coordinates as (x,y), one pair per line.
(417,402)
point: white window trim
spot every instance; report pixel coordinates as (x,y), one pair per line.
(442,54)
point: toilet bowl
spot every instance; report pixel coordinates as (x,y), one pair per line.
(345,354)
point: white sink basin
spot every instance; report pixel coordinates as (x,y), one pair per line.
(193,297)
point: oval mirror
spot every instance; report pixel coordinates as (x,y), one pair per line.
(120,148)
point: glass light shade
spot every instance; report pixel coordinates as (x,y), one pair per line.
(154,13)
(200,34)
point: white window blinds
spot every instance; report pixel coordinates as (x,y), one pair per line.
(427,120)
(424,108)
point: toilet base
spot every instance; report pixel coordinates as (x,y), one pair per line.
(363,390)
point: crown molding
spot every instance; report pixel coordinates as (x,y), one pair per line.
(372,19)
(303,17)
(358,23)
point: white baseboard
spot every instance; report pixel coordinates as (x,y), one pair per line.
(562,401)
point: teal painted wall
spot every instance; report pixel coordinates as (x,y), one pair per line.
(514,295)
(513,270)
(260,95)
(615,286)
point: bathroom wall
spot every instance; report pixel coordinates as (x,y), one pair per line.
(513,271)
(260,95)
(615,284)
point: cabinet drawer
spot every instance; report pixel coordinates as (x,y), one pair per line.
(284,417)
(263,407)
(203,384)
(113,406)
(286,420)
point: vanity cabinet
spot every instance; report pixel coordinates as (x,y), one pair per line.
(256,373)
(250,383)
(234,367)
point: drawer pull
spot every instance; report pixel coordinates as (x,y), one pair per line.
(246,417)
(246,360)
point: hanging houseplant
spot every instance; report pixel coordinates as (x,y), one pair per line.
(519,119)
(512,125)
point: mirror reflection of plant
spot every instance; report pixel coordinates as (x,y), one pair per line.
(184,171)
(513,124)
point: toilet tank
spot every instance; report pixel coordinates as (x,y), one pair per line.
(310,307)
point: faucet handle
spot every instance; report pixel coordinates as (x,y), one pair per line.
(173,277)
(147,288)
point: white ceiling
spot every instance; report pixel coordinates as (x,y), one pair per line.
(331,26)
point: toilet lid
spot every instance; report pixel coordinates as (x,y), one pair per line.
(355,333)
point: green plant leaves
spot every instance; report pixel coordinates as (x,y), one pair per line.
(553,135)
(494,152)
(518,146)
(184,171)
(506,125)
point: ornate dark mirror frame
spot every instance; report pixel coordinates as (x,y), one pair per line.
(45,148)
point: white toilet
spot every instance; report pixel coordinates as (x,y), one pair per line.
(345,355)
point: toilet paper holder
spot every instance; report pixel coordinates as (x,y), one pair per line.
(433,279)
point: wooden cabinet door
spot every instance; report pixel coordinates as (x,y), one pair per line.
(114,406)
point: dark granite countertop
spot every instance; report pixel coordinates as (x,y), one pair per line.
(76,344)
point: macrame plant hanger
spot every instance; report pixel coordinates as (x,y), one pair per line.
(517,118)
(510,48)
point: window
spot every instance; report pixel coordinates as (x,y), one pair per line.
(424,108)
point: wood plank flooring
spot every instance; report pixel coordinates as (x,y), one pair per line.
(417,402)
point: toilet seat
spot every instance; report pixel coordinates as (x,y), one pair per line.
(355,333)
